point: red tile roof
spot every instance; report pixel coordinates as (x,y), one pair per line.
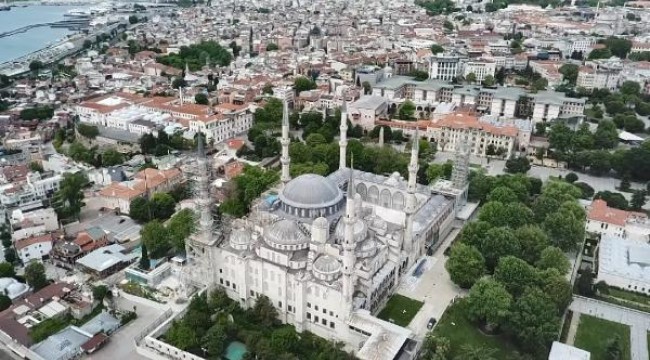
(600,211)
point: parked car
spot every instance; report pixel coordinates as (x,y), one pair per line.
(431,323)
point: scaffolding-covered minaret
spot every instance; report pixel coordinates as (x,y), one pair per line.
(285,160)
(460,171)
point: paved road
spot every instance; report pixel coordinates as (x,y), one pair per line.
(120,345)
(434,287)
(638,321)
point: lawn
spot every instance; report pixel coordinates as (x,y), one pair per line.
(400,310)
(455,326)
(627,298)
(593,335)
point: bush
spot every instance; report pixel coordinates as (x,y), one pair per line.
(571,177)
(128,317)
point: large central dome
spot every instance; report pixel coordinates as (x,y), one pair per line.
(311,191)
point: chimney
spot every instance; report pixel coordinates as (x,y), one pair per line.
(180,94)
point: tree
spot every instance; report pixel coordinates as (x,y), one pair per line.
(267,89)
(571,177)
(139,210)
(473,233)
(407,111)
(534,321)
(201,99)
(162,205)
(145,263)
(68,200)
(302,83)
(614,349)
(489,81)
(133,19)
(5,302)
(465,265)
(35,66)
(448,25)
(178,83)
(471,78)
(264,312)
(519,164)
(155,237)
(10,255)
(272,47)
(111,158)
(215,340)
(630,88)
(569,73)
(613,199)
(638,199)
(182,336)
(100,292)
(488,302)
(35,275)
(180,226)
(7,270)
(533,241)
(499,242)
(436,49)
(606,135)
(503,195)
(586,282)
(560,137)
(539,84)
(564,229)
(618,46)
(515,274)
(557,288)
(553,258)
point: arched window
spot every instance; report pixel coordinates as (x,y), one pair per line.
(373,194)
(398,201)
(385,198)
(362,191)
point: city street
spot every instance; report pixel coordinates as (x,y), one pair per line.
(638,321)
(433,287)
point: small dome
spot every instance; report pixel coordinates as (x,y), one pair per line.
(327,264)
(285,232)
(359,229)
(320,223)
(240,237)
(311,191)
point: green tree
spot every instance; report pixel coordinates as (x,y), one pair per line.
(515,274)
(471,78)
(630,88)
(155,237)
(533,241)
(499,242)
(448,25)
(614,349)
(564,229)
(162,205)
(534,321)
(557,288)
(35,275)
(7,270)
(100,292)
(145,263)
(302,83)
(618,46)
(503,195)
(36,65)
(585,283)
(180,227)
(201,99)
(68,200)
(11,256)
(267,89)
(178,83)
(560,137)
(139,210)
(569,73)
(540,84)
(436,49)
(367,88)
(111,158)
(407,111)
(465,265)
(215,340)
(571,177)
(488,302)
(519,164)
(182,336)
(264,312)
(272,47)
(489,81)
(473,233)
(5,302)
(606,135)
(89,131)
(133,19)
(553,258)
(638,199)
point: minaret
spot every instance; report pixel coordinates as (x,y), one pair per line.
(343,141)
(411,201)
(285,160)
(349,245)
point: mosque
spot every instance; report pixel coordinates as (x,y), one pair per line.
(327,251)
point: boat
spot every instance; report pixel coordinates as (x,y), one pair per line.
(77,14)
(5,8)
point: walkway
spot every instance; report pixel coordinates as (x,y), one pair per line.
(638,321)
(573,328)
(433,287)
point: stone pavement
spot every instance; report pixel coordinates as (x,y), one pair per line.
(638,321)
(573,328)
(433,287)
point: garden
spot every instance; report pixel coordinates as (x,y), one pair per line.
(400,310)
(603,339)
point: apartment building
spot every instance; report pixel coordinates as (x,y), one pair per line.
(481,68)
(444,67)
(596,78)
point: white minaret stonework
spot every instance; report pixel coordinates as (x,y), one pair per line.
(411,201)
(349,246)
(343,141)
(285,160)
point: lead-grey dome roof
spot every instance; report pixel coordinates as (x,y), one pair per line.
(285,232)
(327,264)
(311,191)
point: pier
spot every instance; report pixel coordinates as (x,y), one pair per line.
(72,24)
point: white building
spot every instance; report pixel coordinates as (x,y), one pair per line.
(26,224)
(327,251)
(607,221)
(595,78)
(444,67)
(624,263)
(481,68)
(560,351)
(37,247)
(367,110)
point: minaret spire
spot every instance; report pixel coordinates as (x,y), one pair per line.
(349,244)
(411,201)
(285,160)
(343,141)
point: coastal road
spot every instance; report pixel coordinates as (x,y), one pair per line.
(433,287)
(638,321)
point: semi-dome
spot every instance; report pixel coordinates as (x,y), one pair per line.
(359,229)
(286,235)
(240,238)
(311,191)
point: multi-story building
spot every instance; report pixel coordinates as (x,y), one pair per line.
(598,78)
(36,247)
(118,195)
(508,102)
(26,224)
(444,67)
(481,68)
(367,110)
(607,221)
